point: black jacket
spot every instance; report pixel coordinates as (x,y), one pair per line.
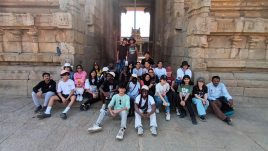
(51,86)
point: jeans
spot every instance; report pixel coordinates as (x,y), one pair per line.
(138,122)
(121,65)
(189,107)
(201,108)
(105,112)
(47,97)
(159,103)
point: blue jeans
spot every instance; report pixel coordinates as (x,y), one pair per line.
(159,103)
(121,65)
(201,108)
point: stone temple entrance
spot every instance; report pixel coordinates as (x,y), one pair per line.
(217,37)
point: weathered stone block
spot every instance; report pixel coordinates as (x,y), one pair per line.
(257,54)
(48,47)
(222,75)
(252,83)
(252,76)
(13,87)
(229,83)
(219,42)
(236,91)
(217,53)
(14,75)
(225,63)
(196,52)
(256,92)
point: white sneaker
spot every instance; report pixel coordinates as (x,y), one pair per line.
(167,116)
(157,110)
(120,134)
(153,130)
(178,112)
(140,130)
(94,128)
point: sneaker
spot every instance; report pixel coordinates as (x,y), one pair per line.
(120,134)
(82,107)
(167,116)
(228,121)
(203,118)
(194,122)
(43,109)
(43,115)
(63,116)
(37,109)
(153,130)
(140,130)
(178,112)
(157,110)
(182,115)
(94,128)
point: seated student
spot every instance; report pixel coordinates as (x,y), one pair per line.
(138,70)
(133,90)
(182,71)
(154,77)
(108,88)
(124,76)
(146,80)
(130,68)
(172,95)
(146,68)
(147,59)
(92,92)
(185,91)
(219,96)
(79,79)
(98,70)
(161,90)
(103,75)
(119,105)
(46,88)
(65,94)
(68,67)
(145,108)
(200,95)
(159,70)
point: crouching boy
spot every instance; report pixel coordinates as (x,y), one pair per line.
(118,106)
(145,108)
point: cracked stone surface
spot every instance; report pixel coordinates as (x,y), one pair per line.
(20,130)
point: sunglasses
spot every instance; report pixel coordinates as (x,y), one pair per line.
(120,103)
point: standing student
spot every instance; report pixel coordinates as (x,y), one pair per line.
(145,108)
(122,54)
(46,88)
(200,95)
(185,92)
(65,95)
(132,54)
(118,106)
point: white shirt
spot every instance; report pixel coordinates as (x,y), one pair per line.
(161,88)
(66,87)
(159,72)
(180,73)
(150,102)
(216,92)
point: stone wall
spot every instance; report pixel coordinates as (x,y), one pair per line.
(31,30)
(218,37)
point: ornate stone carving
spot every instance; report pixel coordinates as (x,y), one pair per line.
(234,50)
(253,40)
(34,35)
(62,20)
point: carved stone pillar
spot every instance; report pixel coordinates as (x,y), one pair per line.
(17,39)
(34,35)
(1,40)
(234,50)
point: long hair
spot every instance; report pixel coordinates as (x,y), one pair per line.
(187,77)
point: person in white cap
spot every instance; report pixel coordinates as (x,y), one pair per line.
(118,106)
(103,75)
(133,89)
(145,108)
(108,87)
(67,66)
(65,94)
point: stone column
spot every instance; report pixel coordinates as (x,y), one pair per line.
(234,50)
(34,35)
(1,40)
(17,38)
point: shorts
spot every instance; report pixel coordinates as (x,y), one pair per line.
(64,95)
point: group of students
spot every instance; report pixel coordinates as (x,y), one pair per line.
(127,91)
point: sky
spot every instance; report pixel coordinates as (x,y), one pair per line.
(142,21)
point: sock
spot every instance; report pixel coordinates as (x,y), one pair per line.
(48,110)
(66,109)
